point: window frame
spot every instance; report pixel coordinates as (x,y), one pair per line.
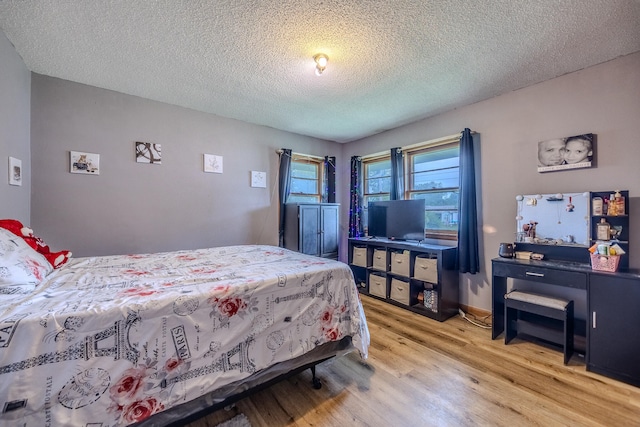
(408,153)
(319,164)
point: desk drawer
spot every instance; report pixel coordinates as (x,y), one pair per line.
(552,276)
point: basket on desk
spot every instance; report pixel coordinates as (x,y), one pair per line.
(605,262)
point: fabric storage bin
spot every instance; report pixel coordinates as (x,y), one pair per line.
(380,259)
(378,285)
(426,269)
(400,263)
(359,256)
(400,291)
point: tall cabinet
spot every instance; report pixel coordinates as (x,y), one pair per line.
(312,228)
(614,342)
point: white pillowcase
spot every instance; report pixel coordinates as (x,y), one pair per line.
(20,264)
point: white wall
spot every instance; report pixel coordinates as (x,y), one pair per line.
(132,207)
(15,94)
(604,99)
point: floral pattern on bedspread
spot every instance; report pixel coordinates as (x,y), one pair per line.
(110,341)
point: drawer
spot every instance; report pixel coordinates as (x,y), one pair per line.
(536,273)
(359,256)
(400,291)
(400,263)
(426,269)
(378,285)
(380,259)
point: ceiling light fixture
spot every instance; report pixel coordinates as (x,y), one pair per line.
(321,62)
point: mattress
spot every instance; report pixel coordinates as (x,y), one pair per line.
(114,340)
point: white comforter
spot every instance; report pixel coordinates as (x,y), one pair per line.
(109,341)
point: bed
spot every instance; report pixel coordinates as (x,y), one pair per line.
(150,339)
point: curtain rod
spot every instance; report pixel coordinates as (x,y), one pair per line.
(279,151)
(432,142)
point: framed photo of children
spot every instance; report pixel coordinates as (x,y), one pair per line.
(571,152)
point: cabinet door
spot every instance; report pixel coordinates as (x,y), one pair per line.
(309,223)
(329,231)
(614,342)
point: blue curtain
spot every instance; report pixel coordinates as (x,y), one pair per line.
(397,175)
(329,180)
(468,256)
(356,228)
(284,187)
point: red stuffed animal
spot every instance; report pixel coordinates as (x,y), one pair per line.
(56,259)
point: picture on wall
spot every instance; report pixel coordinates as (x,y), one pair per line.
(212,163)
(571,152)
(147,152)
(84,163)
(15,171)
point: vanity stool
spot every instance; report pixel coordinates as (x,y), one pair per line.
(539,316)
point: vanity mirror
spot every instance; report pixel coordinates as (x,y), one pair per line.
(553,219)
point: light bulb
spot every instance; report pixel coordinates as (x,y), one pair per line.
(322,61)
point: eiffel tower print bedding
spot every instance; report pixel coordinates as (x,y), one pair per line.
(113,340)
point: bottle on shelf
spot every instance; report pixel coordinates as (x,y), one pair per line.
(603,230)
(618,202)
(597,206)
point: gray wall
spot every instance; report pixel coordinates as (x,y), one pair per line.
(15,93)
(604,99)
(133,207)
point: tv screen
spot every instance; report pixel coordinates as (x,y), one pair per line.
(397,219)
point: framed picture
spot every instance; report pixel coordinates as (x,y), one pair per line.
(571,152)
(15,171)
(258,179)
(212,163)
(147,152)
(84,163)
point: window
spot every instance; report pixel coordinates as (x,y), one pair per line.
(433,175)
(377,182)
(306,179)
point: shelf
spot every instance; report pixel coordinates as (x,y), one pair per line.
(401,261)
(422,308)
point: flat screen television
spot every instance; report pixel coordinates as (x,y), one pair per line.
(397,219)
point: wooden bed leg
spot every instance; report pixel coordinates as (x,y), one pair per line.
(314,380)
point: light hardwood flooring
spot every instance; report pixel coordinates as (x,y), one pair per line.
(421,372)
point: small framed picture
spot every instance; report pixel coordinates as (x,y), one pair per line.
(570,152)
(15,171)
(212,163)
(147,152)
(258,179)
(84,163)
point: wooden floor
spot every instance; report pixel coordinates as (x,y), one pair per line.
(421,372)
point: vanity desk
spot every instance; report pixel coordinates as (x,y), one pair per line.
(613,303)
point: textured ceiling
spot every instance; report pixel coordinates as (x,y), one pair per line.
(391,62)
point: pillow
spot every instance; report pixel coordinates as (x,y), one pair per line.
(19,263)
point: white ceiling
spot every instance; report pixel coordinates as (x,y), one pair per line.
(391,62)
